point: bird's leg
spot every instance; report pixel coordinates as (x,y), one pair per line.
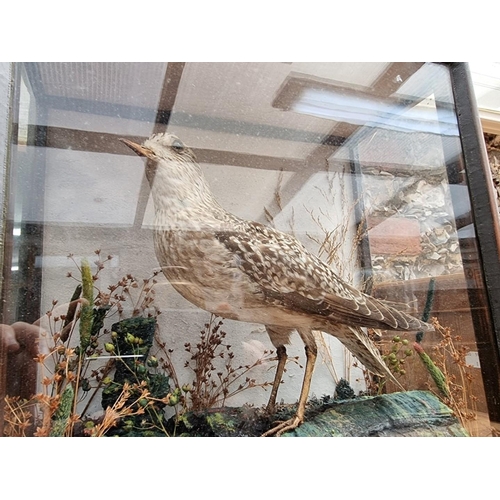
(279,336)
(311,355)
(282,357)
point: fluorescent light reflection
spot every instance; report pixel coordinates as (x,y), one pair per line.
(363,110)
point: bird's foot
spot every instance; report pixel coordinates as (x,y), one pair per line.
(287,425)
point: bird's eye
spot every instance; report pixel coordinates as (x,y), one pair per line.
(177,145)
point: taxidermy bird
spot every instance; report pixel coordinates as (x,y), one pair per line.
(246,271)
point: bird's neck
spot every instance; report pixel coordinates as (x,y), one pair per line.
(184,197)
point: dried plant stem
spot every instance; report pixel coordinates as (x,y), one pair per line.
(450,358)
(86,313)
(17,416)
(63,413)
(121,408)
(326,354)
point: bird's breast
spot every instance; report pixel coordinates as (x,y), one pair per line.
(202,270)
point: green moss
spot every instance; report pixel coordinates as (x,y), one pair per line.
(220,424)
(344,390)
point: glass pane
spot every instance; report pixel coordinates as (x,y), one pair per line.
(361,163)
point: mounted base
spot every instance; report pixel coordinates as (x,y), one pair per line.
(414,413)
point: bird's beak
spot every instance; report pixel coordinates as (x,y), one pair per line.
(138,149)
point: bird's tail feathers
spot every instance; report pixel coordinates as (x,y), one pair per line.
(356,340)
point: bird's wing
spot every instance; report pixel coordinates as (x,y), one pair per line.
(287,273)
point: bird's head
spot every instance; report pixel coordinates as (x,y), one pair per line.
(172,170)
(166,153)
(162,147)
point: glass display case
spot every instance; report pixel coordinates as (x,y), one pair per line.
(116,321)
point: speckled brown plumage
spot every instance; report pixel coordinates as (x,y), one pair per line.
(246,271)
